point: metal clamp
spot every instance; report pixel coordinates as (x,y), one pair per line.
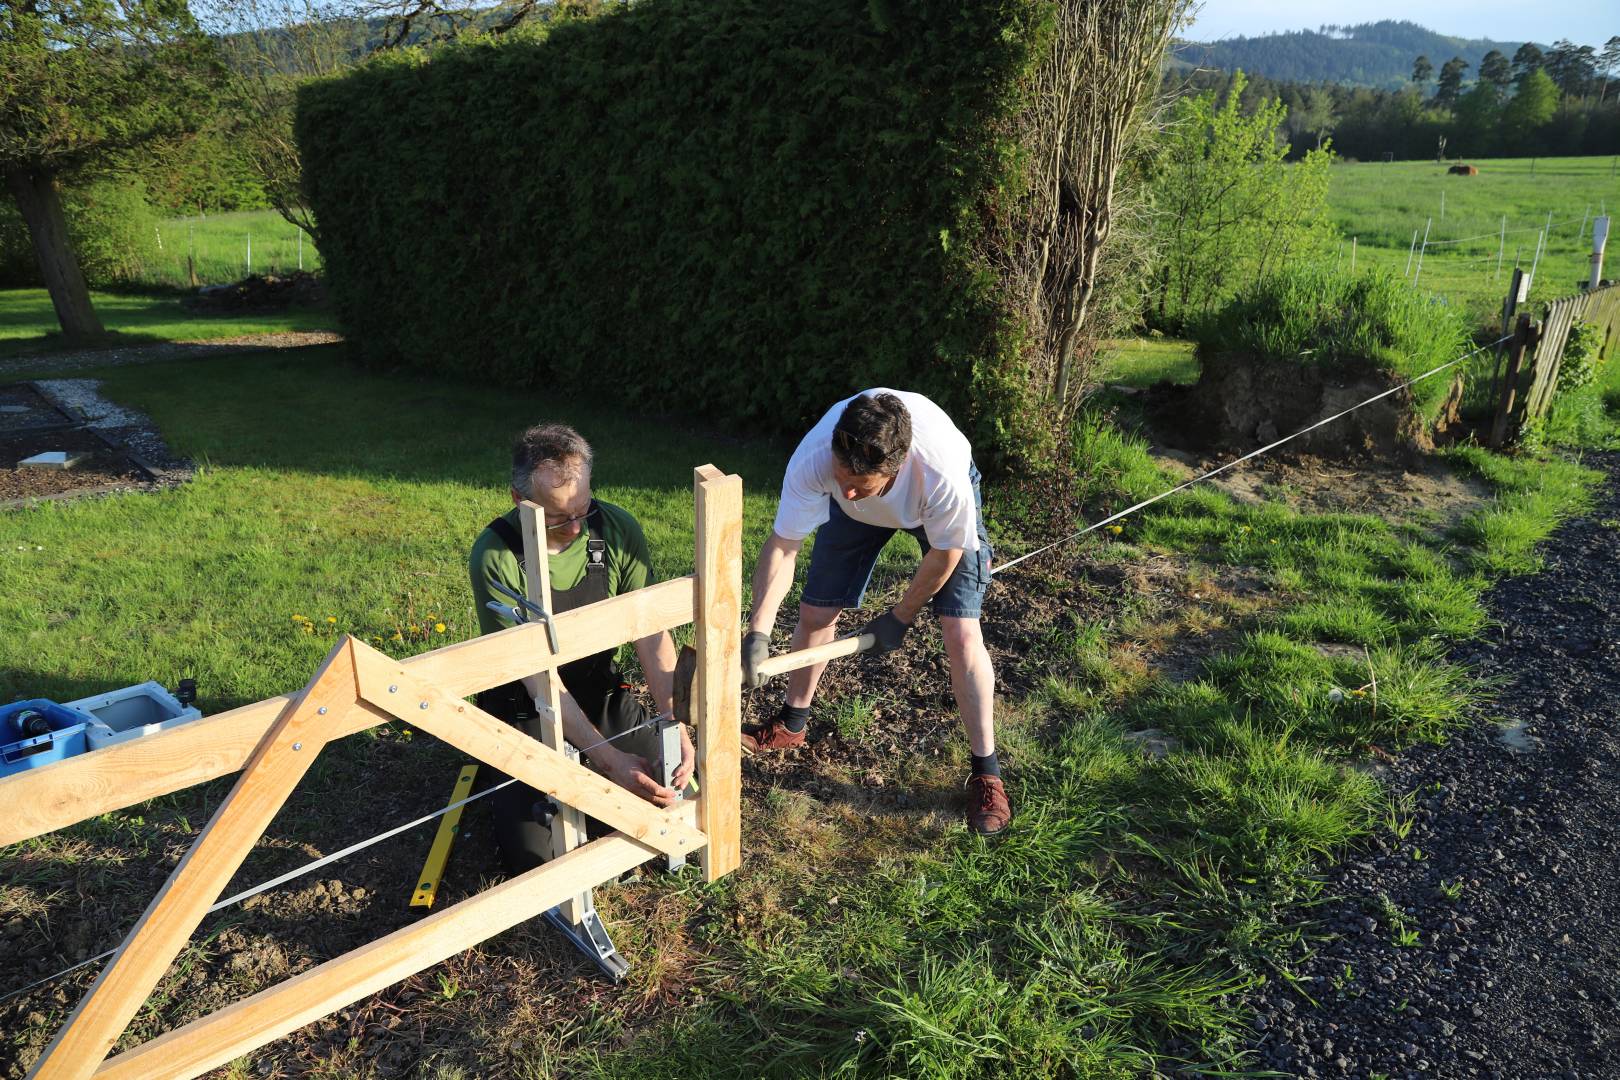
(522,610)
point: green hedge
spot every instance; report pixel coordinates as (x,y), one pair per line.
(747,208)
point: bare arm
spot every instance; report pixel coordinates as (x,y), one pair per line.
(773,577)
(932,573)
(657,655)
(626,770)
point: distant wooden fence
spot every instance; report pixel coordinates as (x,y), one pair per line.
(274,743)
(1537,350)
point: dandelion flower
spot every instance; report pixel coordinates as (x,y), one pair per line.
(438,628)
(398,636)
(299,618)
(331,618)
(1116,529)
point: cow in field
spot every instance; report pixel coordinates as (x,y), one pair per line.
(1463,170)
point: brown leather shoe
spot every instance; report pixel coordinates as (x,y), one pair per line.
(771,736)
(988,810)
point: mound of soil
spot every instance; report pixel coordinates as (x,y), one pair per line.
(1240,403)
(259,293)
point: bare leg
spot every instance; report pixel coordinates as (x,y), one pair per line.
(816,626)
(973,680)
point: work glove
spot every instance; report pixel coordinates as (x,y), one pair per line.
(888,632)
(756,647)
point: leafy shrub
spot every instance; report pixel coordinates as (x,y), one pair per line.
(112,228)
(747,209)
(1582,357)
(1324,317)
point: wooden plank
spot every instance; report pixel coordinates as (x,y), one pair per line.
(387,684)
(815,654)
(217,1039)
(279,762)
(568,824)
(1523,337)
(54,796)
(717,689)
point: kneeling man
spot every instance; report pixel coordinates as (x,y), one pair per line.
(596,550)
(880,461)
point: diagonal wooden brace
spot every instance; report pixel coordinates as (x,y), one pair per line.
(285,753)
(387,685)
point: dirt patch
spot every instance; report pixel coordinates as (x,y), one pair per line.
(1240,403)
(120,354)
(1420,490)
(103,467)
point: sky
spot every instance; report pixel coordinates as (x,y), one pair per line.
(1585,22)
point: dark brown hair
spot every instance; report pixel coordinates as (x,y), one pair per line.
(873,435)
(557,445)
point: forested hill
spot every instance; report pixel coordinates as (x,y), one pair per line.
(1372,54)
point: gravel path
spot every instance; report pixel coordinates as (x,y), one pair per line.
(118,356)
(1510,875)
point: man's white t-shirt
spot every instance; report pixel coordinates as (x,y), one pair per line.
(932,490)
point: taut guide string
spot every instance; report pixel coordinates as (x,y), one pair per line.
(363,844)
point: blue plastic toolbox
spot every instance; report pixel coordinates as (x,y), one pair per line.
(40,731)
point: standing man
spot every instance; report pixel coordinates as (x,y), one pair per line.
(880,461)
(597,550)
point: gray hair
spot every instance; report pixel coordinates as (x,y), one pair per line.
(556,445)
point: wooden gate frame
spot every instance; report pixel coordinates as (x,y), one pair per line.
(355,687)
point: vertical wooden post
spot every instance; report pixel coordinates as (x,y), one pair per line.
(1523,335)
(717,688)
(566,826)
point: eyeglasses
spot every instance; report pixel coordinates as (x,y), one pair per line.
(553,526)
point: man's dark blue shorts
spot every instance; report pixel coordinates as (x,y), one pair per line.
(846,550)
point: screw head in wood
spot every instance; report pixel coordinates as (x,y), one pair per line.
(298,746)
(393,689)
(422,705)
(321,711)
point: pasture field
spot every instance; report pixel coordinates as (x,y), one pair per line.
(227,247)
(1382,205)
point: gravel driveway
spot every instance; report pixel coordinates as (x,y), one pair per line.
(1510,876)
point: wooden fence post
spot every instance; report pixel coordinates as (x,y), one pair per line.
(567,825)
(1524,335)
(717,688)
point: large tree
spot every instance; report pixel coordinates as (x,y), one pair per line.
(1608,62)
(1531,108)
(1495,70)
(1527,59)
(81,82)
(1422,71)
(1450,84)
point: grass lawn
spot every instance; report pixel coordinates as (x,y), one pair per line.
(1143,361)
(1106,935)
(28,322)
(1381,205)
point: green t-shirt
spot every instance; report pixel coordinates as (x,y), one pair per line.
(629,563)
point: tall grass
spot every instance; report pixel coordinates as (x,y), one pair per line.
(1320,316)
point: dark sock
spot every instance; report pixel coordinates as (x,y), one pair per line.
(794,719)
(987,765)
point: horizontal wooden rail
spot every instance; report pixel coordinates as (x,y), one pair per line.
(54,796)
(237,1029)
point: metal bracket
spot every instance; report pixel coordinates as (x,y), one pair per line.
(591,938)
(524,610)
(668,730)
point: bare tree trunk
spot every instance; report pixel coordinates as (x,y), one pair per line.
(40,202)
